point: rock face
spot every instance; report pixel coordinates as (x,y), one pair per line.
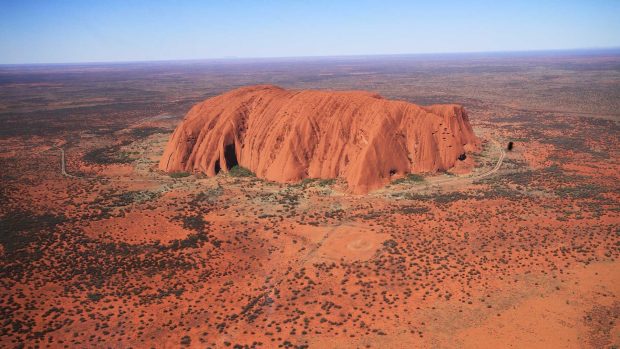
(287,135)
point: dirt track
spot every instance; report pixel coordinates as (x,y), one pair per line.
(500,159)
(430,182)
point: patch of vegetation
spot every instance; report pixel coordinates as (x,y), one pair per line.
(521,177)
(585,191)
(208,196)
(306,182)
(195,222)
(95,297)
(191,241)
(238,171)
(497,191)
(18,229)
(179,174)
(450,197)
(326,182)
(134,196)
(370,215)
(24,236)
(186,340)
(288,198)
(414,209)
(390,243)
(107,156)
(573,143)
(409,179)
(391,246)
(144,132)
(440,198)
(176,291)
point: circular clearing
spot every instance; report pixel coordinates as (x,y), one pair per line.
(359,245)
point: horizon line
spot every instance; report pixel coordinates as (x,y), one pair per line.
(266,58)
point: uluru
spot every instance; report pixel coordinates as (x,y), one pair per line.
(288,135)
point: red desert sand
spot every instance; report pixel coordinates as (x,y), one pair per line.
(287,135)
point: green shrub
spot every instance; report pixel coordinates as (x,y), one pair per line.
(306,182)
(95,297)
(238,171)
(410,178)
(179,174)
(186,340)
(144,132)
(108,155)
(326,182)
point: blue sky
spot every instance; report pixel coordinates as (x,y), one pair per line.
(50,31)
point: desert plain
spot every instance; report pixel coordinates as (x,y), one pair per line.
(510,248)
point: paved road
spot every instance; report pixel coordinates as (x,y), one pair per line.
(63,168)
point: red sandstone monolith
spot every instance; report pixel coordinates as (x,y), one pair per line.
(287,135)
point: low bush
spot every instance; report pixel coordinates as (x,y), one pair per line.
(179,174)
(409,178)
(238,171)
